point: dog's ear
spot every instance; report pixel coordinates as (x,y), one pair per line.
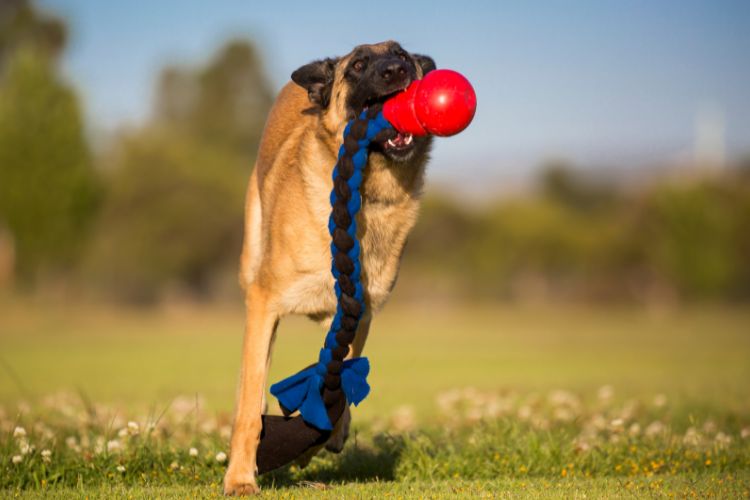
(425,62)
(317,79)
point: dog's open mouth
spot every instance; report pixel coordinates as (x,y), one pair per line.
(399,147)
(401,141)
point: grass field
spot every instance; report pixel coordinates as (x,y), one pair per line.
(467,401)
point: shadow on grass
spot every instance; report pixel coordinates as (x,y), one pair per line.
(358,463)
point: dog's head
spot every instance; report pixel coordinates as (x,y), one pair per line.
(340,88)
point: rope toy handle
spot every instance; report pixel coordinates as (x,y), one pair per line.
(321,385)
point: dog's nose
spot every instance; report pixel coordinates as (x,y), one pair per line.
(393,71)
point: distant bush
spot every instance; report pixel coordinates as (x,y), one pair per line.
(687,239)
(173,211)
(48,187)
(697,237)
(164,210)
(172,218)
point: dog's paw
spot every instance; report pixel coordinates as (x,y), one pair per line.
(240,488)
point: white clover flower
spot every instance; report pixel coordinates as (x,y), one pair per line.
(24,447)
(563,414)
(629,409)
(122,432)
(498,406)
(99,445)
(709,427)
(117,421)
(72,443)
(745,433)
(605,393)
(655,428)
(120,468)
(19,432)
(225,431)
(46,456)
(133,428)
(539,422)
(598,422)
(193,452)
(723,440)
(692,437)
(17,459)
(113,446)
(660,401)
(617,424)
(403,418)
(221,457)
(581,445)
(634,430)
(563,398)
(174,465)
(208,426)
(524,412)
(447,400)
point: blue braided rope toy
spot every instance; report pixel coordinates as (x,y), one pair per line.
(302,391)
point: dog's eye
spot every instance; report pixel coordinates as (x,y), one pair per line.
(358,65)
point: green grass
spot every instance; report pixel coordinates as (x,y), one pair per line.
(533,421)
(701,486)
(128,357)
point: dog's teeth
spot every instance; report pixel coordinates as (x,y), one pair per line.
(391,143)
(409,138)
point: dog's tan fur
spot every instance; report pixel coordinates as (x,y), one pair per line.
(286,261)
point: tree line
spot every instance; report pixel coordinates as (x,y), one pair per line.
(160,209)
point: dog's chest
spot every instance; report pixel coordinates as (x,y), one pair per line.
(383,229)
(387,215)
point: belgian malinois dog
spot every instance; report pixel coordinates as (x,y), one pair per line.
(286,260)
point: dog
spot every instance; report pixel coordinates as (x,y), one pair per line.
(285,267)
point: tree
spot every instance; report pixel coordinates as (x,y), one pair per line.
(174,208)
(224,104)
(23,26)
(173,217)
(47,183)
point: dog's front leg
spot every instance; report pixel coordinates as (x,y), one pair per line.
(259,329)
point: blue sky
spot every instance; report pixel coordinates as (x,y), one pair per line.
(596,82)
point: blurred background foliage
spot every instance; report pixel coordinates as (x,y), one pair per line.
(48,184)
(674,239)
(159,210)
(174,190)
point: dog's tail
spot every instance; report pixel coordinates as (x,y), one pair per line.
(252,244)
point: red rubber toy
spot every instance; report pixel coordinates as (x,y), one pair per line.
(442,103)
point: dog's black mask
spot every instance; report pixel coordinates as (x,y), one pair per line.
(372,72)
(375,76)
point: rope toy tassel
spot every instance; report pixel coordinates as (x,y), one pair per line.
(317,388)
